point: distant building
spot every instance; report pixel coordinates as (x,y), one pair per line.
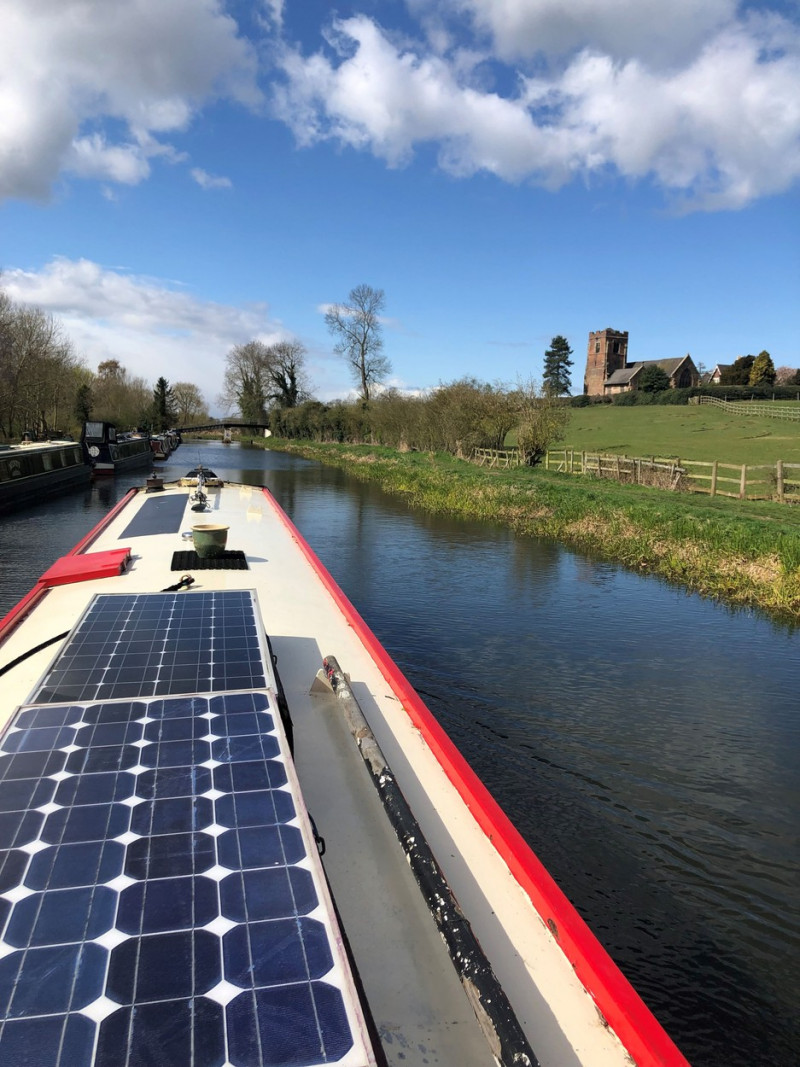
(608,371)
(719,372)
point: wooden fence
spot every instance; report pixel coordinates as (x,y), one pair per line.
(497,457)
(778,481)
(772,409)
(662,473)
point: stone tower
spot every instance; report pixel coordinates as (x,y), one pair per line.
(607,352)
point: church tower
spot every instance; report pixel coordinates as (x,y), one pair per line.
(607,352)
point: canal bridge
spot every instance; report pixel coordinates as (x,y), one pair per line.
(226,424)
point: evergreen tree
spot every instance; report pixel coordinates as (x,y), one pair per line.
(763,370)
(739,374)
(84,402)
(556,377)
(653,379)
(164,411)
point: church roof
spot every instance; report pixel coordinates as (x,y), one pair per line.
(625,374)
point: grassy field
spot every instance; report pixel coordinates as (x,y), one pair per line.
(699,432)
(744,552)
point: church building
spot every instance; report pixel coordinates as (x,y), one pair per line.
(608,371)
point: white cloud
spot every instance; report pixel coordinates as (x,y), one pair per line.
(150,326)
(718,130)
(650,30)
(209,181)
(82,69)
(93,157)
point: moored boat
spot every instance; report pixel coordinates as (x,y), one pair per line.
(160,446)
(164,888)
(35,470)
(110,451)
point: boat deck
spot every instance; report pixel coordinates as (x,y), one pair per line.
(419,1008)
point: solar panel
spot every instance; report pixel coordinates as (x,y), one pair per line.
(154,644)
(161,899)
(159,514)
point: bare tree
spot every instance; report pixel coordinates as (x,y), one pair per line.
(119,398)
(38,370)
(787,376)
(189,402)
(543,419)
(357,327)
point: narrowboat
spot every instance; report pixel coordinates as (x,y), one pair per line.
(110,451)
(160,446)
(233,834)
(35,470)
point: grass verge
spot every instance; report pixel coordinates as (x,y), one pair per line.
(743,552)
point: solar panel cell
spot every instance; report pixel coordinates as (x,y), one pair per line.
(71,866)
(267,894)
(171,1033)
(161,904)
(52,980)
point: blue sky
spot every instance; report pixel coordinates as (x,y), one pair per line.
(180,176)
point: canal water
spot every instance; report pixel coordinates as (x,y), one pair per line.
(644,741)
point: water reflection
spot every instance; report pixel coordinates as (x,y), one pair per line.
(644,741)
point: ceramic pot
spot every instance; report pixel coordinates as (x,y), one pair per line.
(209,539)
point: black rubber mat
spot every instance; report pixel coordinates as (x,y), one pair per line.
(230,560)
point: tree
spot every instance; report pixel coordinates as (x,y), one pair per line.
(653,379)
(189,402)
(247,381)
(787,375)
(164,412)
(125,401)
(357,327)
(763,370)
(543,420)
(556,378)
(39,370)
(287,377)
(83,403)
(739,373)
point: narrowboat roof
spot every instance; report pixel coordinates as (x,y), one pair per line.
(107,605)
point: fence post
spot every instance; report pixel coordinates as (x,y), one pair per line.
(583,463)
(547,461)
(572,461)
(743,483)
(779,478)
(714,467)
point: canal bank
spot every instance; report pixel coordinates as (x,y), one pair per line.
(742,552)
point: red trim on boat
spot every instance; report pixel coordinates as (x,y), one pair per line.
(20,610)
(95,532)
(621,1006)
